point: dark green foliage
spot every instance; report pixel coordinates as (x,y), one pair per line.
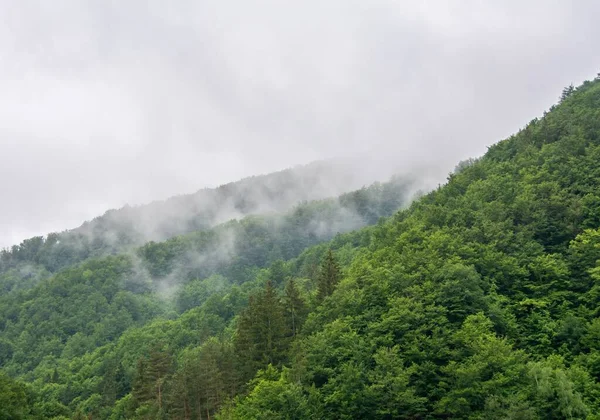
(295,307)
(205,379)
(329,276)
(480,301)
(74,312)
(149,383)
(261,335)
(65,333)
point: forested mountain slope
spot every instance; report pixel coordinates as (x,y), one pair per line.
(479,301)
(86,307)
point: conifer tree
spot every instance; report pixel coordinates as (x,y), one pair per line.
(210,377)
(55,376)
(261,333)
(277,272)
(329,276)
(178,396)
(271,326)
(150,377)
(109,383)
(295,308)
(568,91)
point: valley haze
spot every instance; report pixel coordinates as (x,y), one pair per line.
(324,210)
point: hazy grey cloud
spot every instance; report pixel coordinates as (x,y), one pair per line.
(104,103)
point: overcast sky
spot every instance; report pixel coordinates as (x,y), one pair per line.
(104,103)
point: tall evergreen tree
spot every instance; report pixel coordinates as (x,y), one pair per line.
(150,378)
(277,272)
(261,333)
(568,91)
(204,380)
(295,308)
(178,396)
(329,276)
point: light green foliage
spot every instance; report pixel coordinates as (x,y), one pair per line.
(14,403)
(275,396)
(479,301)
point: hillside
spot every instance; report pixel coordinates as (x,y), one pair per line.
(274,192)
(87,306)
(479,301)
(124,229)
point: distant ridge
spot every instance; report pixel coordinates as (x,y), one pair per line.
(273,192)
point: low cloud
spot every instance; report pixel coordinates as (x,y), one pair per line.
(108,103)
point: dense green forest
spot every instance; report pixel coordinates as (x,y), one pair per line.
(60,303)
(479,301)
